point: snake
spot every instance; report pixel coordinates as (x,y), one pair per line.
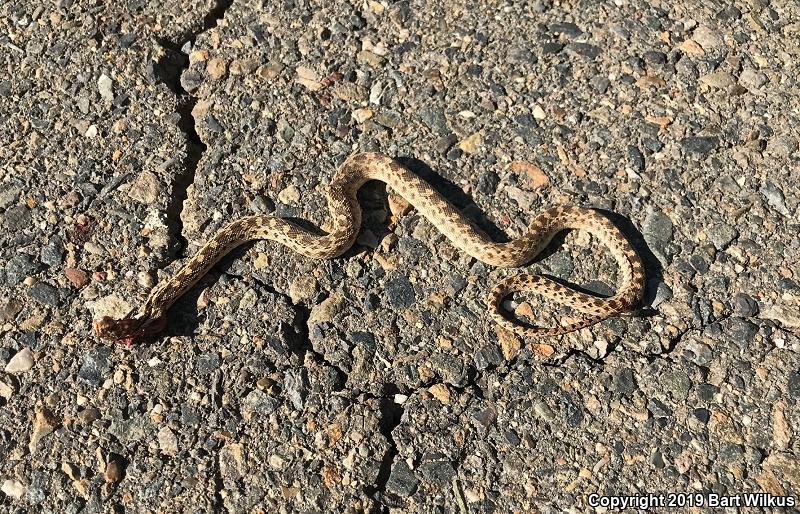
(345,211)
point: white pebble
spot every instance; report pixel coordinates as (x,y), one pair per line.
(21,362)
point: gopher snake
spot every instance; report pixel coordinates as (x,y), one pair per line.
(350,176)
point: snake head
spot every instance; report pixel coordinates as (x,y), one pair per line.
(127,330)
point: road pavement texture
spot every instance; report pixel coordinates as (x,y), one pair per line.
(376,382)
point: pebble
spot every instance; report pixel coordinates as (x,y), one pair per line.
(295,385)
(635,157)
(783,145)
(9,196)
(440,392)
(78,278)
(303,287)
(742,332)
(114,471)
(702,415)
(145,188)
(657,230)
(566,28)
(471,144)
(520,55)
(216,68)
(289,195)
(402,481)
(536,177)
(362,115)
(400,292)
(774,197)
(718,79)
(437,473)
(88,415)
(624,382)
(21,362)
(6,390)
(326,310)
(53,252)
(658,408)
(744,306)
(524,199)
(487,182)
(18,267)
(584,49)
(44,424)
(105,88)
(95,365)
(702,145)
(17,218)
(663,293)
(10,308)
(433,117)
(13,488)
(45,294)
(722,235)
(374,60)
(600,84)
(707,38)
(167,441)
(752,79)
(544,411)
(258,402)
(677,383)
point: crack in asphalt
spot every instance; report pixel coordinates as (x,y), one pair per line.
(168,71)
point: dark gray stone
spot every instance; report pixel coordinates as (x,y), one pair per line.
(657,460)
(207,363)
(600,84)
(774,197)
(700,145)
(17,218)
(741,331)
(259,402)
(438,473)
(658,408)
(18,267)
(485,418)
(433,117)
(793,384)
(52,252)
(566,28)
(731,453)
(722,235)
(487,357)
(402,481)
(585,49)
(657,230)
(635,157)
(706,392)
(744,306)
(95,365)
(624,382)
(702,415)
(44,293)
(487,182)
(400,292)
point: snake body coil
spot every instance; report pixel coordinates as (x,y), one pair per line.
(344,208)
